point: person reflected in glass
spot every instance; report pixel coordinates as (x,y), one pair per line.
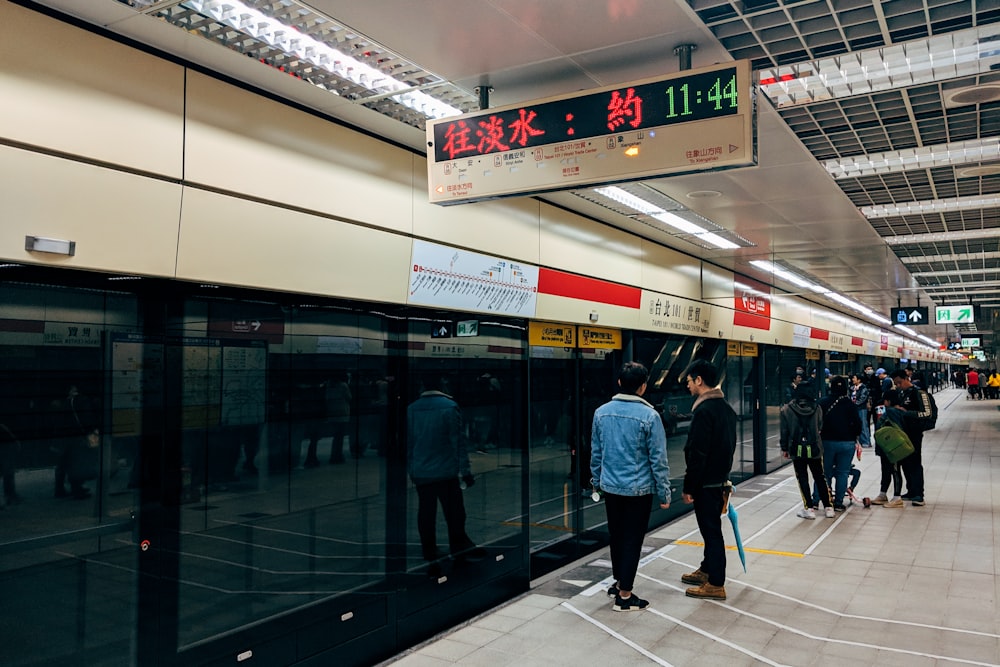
(9,448)
(71,418)
(83,461)
(438,461)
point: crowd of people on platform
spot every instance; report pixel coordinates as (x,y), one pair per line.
(980,383)
(824,427)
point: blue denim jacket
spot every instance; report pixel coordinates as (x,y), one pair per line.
(629,449)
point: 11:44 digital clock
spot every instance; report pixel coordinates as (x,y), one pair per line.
(683,97)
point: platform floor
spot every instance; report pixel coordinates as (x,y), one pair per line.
(912,587)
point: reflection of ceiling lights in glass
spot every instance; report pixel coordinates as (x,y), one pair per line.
(921,157)
(960,53)
(931,206)
(305,48)
(658,206)
(796,279)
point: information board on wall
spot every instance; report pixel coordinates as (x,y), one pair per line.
(689,121)
(452,278)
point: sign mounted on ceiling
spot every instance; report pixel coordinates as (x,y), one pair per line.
(954,315)
(910,315)
(695,120)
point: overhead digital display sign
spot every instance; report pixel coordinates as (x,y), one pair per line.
(693,120)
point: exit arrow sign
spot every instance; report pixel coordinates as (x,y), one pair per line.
(954,314)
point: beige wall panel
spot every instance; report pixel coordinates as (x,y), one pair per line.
(248,144)
(72,91)
(722,322)
(578,245)
(502,228)
(717,285)
(782,333)
(120,222)
(238,242)
(574,311)
(669,271)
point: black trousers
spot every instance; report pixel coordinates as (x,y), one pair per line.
(449,494)
(628,520)
(890,473)
(803,467)
(707,511)
(913,466)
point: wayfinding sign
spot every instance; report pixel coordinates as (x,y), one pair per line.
(969,343)
(910,315)
(954,314)
(695,120)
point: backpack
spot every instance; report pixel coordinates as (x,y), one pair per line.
(929,422)
(803,443)
(893,441)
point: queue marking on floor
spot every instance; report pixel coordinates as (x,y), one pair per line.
(771,552)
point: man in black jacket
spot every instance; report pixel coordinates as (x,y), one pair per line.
(709,451)
(915,406)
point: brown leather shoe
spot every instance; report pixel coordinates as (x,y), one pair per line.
(696,578)
(707,591)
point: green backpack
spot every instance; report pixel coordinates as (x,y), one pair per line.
(893,441)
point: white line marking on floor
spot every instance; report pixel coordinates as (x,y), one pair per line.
(625,640)
(807,635)
(716,638)
(842,614)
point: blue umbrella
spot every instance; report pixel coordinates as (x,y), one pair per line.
(733,519)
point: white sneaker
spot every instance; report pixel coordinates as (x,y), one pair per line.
(806,513)
(829,512)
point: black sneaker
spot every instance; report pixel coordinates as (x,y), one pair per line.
(631,603)
(613,591)
(918,501)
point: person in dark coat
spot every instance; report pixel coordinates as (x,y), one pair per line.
(708,453)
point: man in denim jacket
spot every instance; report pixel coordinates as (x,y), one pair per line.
(629,466)
(708,453)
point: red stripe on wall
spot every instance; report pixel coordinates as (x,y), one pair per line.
(742,319)
(819,334)
(569,285)
(23,326)
(857,342)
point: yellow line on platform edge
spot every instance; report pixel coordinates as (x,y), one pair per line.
(756,551)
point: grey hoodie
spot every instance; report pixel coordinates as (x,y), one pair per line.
(796,409)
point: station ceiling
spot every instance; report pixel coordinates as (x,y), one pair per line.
(878,173)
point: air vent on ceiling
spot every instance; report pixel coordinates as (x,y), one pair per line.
(960,97)
(980,171)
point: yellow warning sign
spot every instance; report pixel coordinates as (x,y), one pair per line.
(600,338)
(547,334)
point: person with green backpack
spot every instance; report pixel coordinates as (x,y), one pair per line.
(890,443)
(918,416)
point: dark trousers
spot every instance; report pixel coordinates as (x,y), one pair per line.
(802,468)
(913,466)
(890,473)
(449,494)
(707,509)
(628,520)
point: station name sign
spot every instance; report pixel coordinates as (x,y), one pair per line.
(695,120)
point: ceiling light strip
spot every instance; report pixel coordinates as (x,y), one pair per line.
(954,257)
(288,39)
(943,237)
(931,206)
(936,58)
(921,157)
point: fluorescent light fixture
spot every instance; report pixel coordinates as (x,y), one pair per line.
(955,272)
(796,279)
(932,206)
(921,157)
(54,246)
(963,285)
(943,237)
(645,207)
(961,53)
(953,257)
(288,39)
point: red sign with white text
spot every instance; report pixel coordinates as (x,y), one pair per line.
(752,301)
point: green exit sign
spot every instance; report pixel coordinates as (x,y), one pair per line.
(953,315)
(970,342)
